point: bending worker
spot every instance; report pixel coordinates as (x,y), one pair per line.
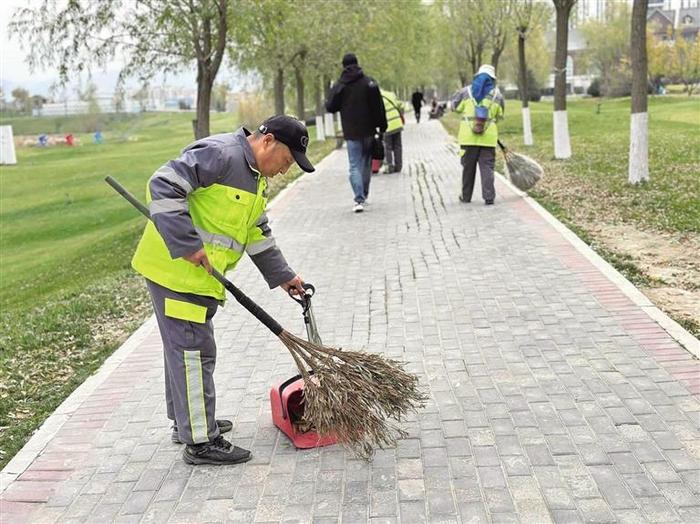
(208,207)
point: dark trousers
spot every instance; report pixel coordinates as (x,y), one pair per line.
(393,152)
(417,111)
(486,158)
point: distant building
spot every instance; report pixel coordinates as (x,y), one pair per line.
(159,98)
(670,19)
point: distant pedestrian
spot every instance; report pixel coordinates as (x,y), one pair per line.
(417,102)
(392,137)
(482,105)
(359,101)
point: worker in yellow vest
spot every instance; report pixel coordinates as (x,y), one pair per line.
(482,106)
(208,208)
(392,136)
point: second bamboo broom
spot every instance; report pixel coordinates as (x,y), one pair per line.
(352,395)
(522,170)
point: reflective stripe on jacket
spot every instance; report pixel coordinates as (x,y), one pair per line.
(465,104)
(212,196)
(393,112)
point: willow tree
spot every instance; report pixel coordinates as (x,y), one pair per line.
(562,143)
(526,16)
(154,36)
(639,119)
(499,28)
(465,20)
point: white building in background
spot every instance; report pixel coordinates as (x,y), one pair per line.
(159,98)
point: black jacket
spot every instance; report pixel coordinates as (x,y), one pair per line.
(359,101)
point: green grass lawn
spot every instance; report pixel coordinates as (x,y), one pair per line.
(68,297)
(591,189)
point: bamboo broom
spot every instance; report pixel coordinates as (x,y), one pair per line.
(352,395)
(522,170)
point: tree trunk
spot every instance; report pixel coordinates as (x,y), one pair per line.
(562,39)
(317,96)
(524,92)
(463,80)
(279,91)
(299,77)
(522,69)
(326,87)
(495,56)
(562,144)
(208,63)
(639,130)
(204,86)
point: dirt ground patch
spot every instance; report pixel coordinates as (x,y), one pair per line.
(670,260)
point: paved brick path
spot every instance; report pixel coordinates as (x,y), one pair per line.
(553,397)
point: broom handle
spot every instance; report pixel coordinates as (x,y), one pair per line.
(500,144)
(241,297)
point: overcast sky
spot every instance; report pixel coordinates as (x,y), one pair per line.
(14,72)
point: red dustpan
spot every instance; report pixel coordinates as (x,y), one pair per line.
(287,398)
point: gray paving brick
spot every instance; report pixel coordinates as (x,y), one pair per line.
(657,509)
(159,512)
(491,477)
(383,504)
(646,452)
(595,511)
(413,511)
(498,500)
(593,455)
(566,516)
(689,514)
(682,460)
(678,494)
(611,487)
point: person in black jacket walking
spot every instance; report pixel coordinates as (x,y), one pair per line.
(359,101)
(417,102)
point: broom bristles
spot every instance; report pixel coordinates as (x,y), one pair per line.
(354,395)
(522,170)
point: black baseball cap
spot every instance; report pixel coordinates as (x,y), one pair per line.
(292,133)
(349,59)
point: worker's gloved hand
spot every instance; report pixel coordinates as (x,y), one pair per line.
(296,285)
(199,258)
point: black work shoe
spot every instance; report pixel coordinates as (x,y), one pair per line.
(461,199)
(219,452)
(489,202)
(224,427)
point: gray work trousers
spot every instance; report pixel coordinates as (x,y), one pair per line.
(189,351)
(393,152)
(486,158)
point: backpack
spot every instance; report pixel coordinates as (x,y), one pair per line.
(480,122)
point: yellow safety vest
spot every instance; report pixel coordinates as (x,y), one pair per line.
(225,218)
(393,114)
(489,138)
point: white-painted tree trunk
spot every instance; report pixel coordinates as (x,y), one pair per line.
(7,146)
(330,131)
(562,145)
(339,125)
(639,148)
(527,128)
(320,134)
